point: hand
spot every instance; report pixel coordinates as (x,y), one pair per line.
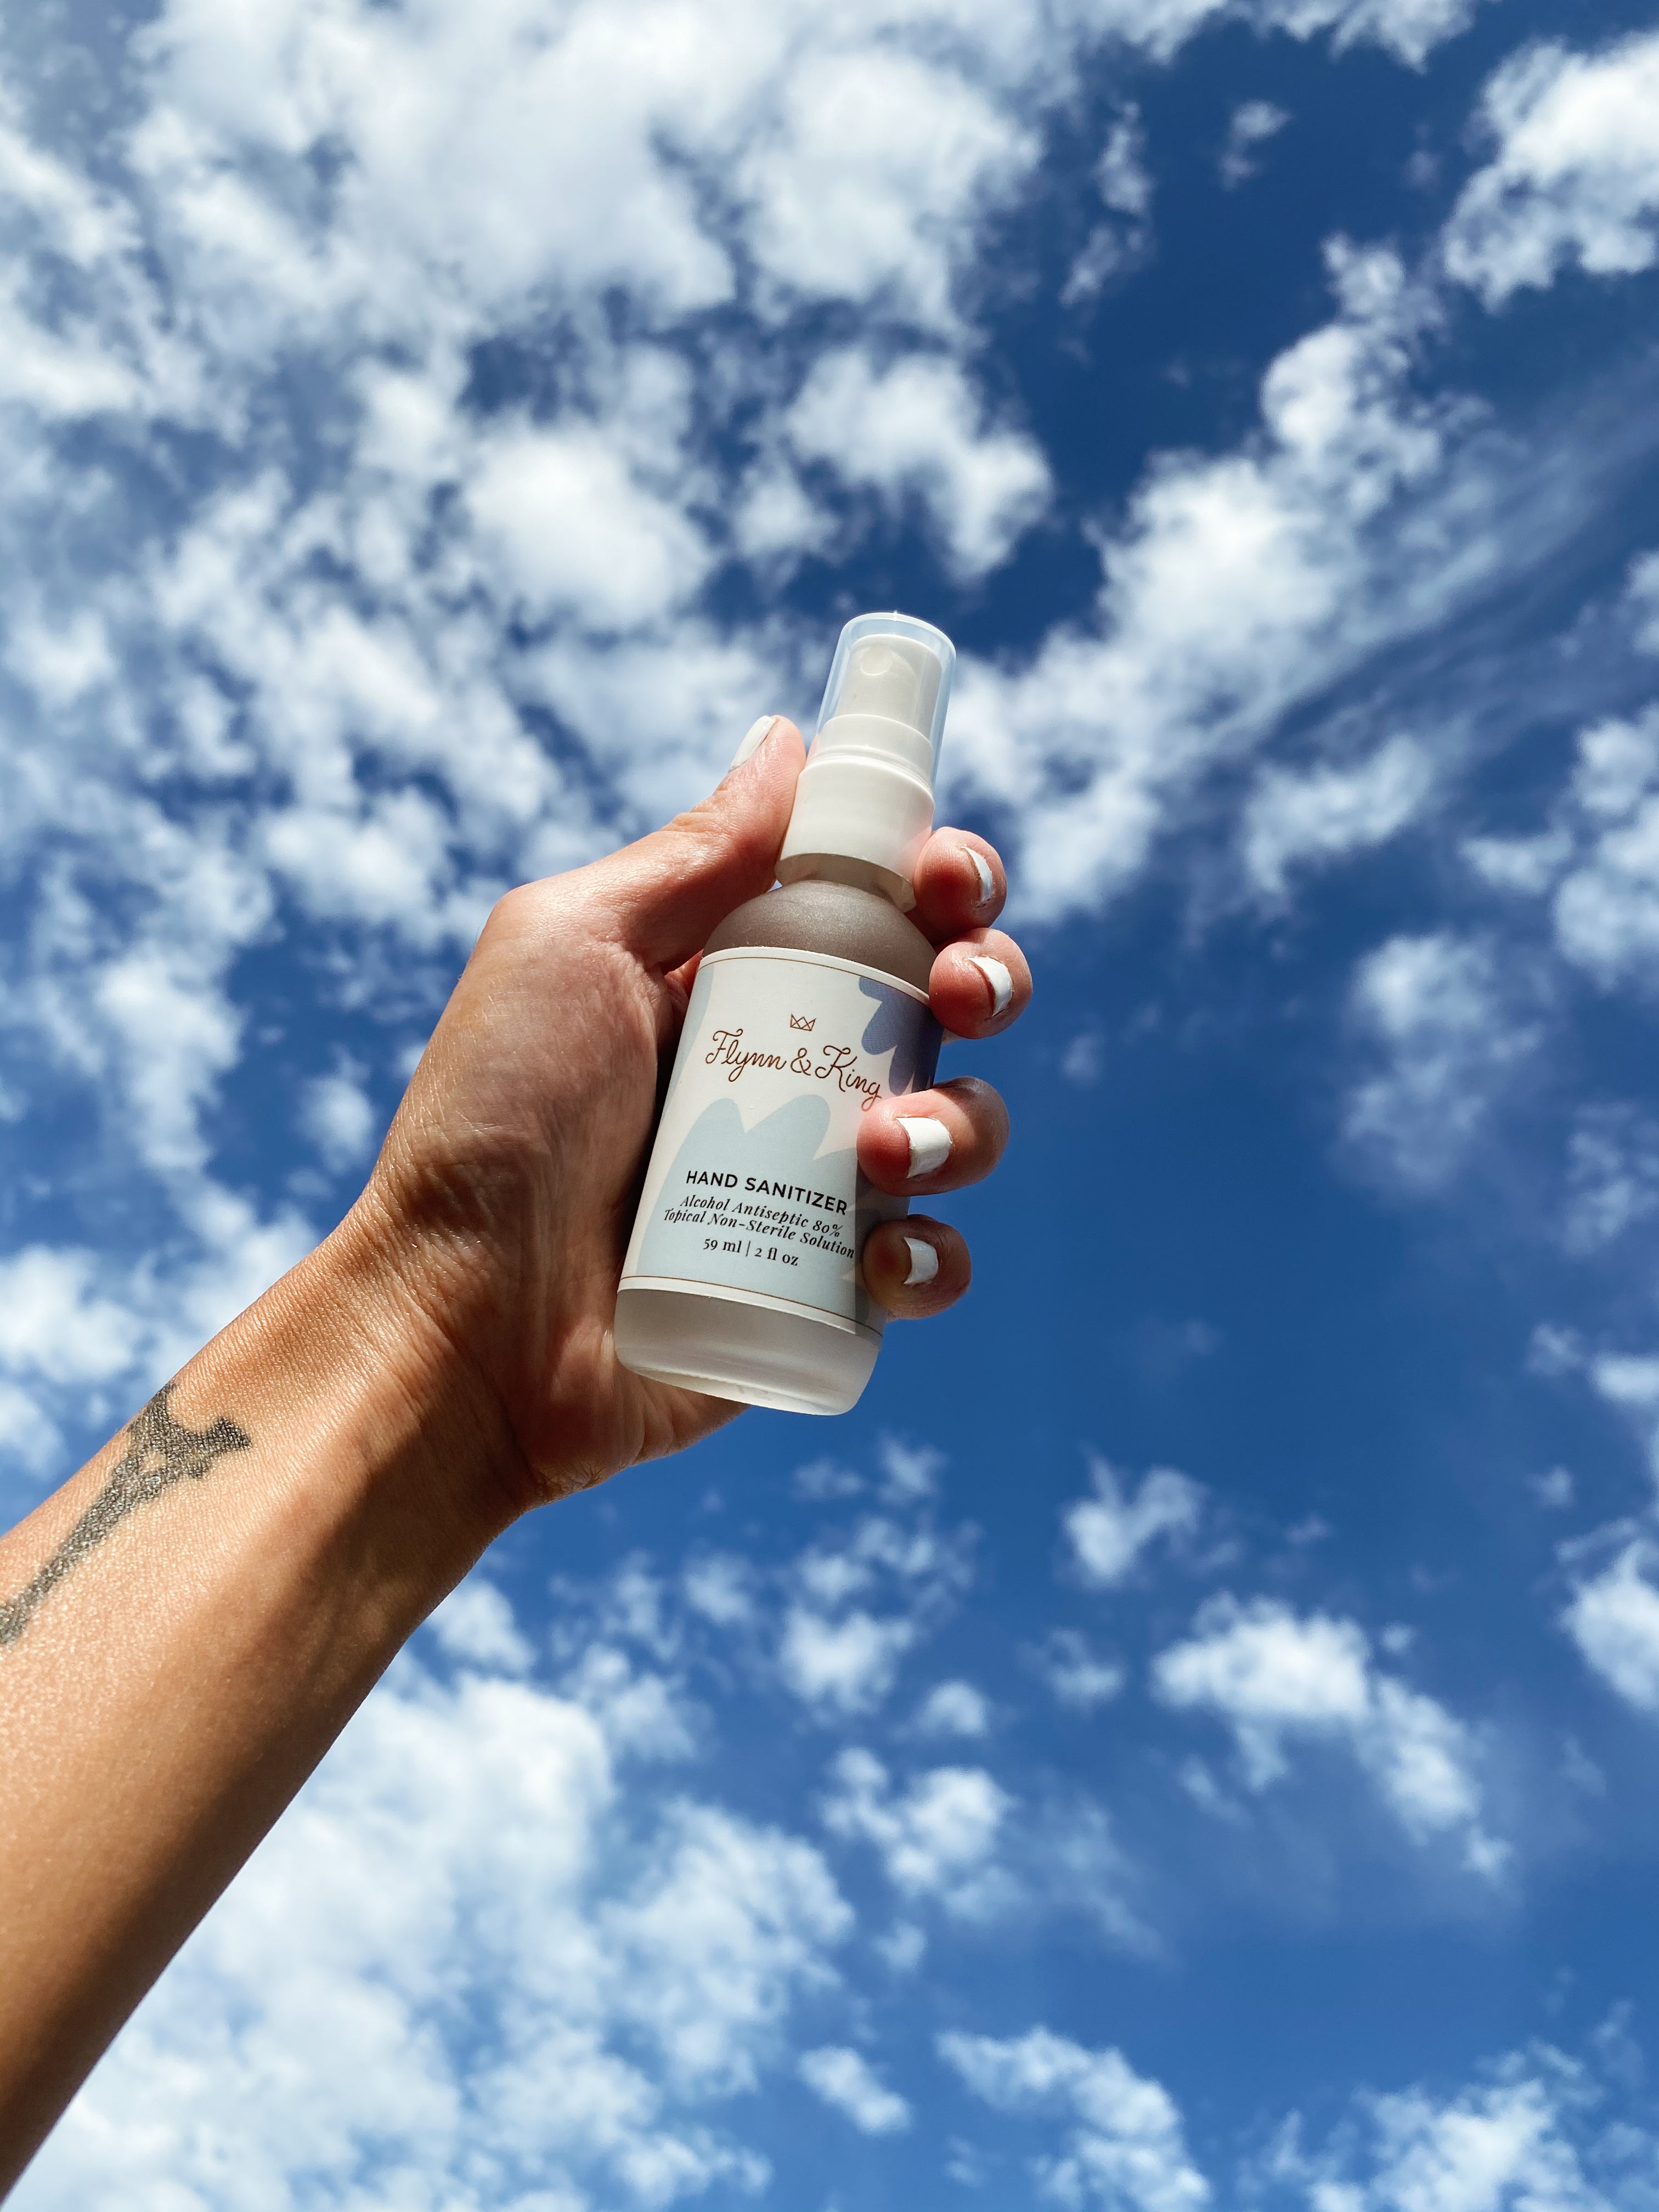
(501,1203)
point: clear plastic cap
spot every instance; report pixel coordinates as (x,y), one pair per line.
(866,792)
(895,666)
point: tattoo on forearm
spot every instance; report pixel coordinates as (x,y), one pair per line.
(159,1452)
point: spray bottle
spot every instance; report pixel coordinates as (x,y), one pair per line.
(742,1276)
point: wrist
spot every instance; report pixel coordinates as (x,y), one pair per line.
(345,1367)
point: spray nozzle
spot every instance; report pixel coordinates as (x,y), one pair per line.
(894,676)
(866,792)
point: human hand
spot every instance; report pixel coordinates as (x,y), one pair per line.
(502,1200)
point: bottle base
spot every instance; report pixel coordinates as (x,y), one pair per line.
(752,1354)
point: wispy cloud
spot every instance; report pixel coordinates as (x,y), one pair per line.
(1278,1678)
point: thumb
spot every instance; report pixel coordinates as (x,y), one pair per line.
(671,890)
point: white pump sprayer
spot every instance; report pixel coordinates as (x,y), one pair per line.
(866,792)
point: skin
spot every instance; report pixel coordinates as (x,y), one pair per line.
(186,1626)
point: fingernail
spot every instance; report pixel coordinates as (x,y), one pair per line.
(1001,982)
(930,1143)
(753,738)
(924,1262)
(987,881)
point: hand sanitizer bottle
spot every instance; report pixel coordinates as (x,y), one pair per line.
(742,1276)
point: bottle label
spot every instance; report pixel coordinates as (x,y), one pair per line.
(753,1191)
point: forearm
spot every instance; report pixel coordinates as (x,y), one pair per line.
(187,1624)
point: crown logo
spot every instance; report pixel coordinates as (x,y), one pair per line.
(798,1022)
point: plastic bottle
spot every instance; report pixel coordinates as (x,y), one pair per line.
(811,1002)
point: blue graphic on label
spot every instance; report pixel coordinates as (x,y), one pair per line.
(754,1190)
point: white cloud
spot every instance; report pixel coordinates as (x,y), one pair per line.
(538,2005)
(1630,1379)
(916,428)
(1268,1673)
(475,1625)
(1206,1793)
(1077,1676)
(1613,1175)
(1323,814)
(719,1587)
(820,1480)
(834,1651)
(1525,865)
(55,1322)
(868,182)
(1278,1678)
(954,1709)
(1124,239)
(29,1438)
(831,1626)
(1504,2142)
(577,534)
(1627,1381)
(1441,1017)
(1574,177)
(845,2079)
(1642,596)
(1236,586)
(731,1921)
(632,1605)
(1596,855)
(1127,2146)
(340,1118)
(641,1711)
(938,1838)
(1616,766)
(1251,126)
(1081,1061)
(1109,1530)
(177,1033)
(1120,175)
(847,1664)
(910,1471)
(1409,28)
(1613,1618)
(1607,908)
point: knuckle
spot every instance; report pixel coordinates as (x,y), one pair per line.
(512,904)
(517,911)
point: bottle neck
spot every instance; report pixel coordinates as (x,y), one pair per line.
(842,868)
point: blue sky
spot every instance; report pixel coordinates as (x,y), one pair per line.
(1187,1739)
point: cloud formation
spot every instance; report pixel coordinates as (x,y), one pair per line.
(1126,2144)
(1574,173)
(538,1999)
(1278,1678)
(1110,1530)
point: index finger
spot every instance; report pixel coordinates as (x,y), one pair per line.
(960,884)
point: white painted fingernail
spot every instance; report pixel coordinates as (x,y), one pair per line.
(924,1262)
(987,881)
(930,1143)
(753,739)
(1001,982)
